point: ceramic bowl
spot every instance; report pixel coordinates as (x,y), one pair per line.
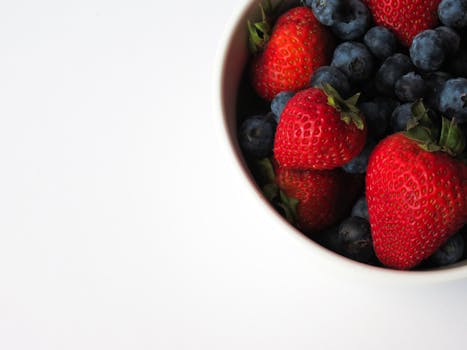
(230,63)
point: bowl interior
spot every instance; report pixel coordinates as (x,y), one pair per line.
(231,66)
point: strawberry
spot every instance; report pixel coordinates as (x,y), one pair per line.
(406,18)
(298,45)
(416,191)
(323,198)
(319,130)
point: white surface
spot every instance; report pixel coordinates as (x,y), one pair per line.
(122,225)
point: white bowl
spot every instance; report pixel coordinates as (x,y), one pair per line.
(230,63)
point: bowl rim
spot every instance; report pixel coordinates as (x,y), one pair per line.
(344,266)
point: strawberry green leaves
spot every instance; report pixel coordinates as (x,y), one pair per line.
(348,108)
(260,32)
(422,129)
(287,205)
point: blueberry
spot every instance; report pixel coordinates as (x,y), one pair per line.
(434,82)
(359,164)
(377,114)
(355,239)
(354,60)
(427,51)
(453,13)
(390,71)
(410,87)
(329,239)
(326,11)
(375,120)
(360,208)
(353,21)
(256,135)
(450,39)
(453,99)
(400,117)
(456,65)
(381,42)
(450,252)
(278,103)
(334,77)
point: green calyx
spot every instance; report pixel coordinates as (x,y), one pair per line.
(348,108)
(421,129)
(259,32)
(273,193)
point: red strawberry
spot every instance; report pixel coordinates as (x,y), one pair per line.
(319,130)
(406,18)
(417,194)
(324,197)
(299,45)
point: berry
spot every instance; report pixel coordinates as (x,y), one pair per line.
(381,42)
(322,197)
(359,164)
(326,11)
(256,135)
(456,64)
(298,45)
(319,130)
(453,13)
(360,208)
(375,117)
(427,51)
(401,116)
(353,21)
(450,252)
(434,82)
(354,60)
(450,39)
(416,192)
(406,18)
(332,76)
(355,239)
(278,103)
(393,68)
(410,87)
(453,99)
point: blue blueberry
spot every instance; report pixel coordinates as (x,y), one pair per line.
(377,114)
(329,239)
(427,51)
(359,164)
(392,69)
(450,252)
(400,117)
(456,65)
(353,21)
(334,77)
(360,208)
(355,239)
(326,11)
(453,99)
(256,135)
(410,87)
(450,39)
(381,42)
(453,13)
(434,82)
(278,103)
(354,60)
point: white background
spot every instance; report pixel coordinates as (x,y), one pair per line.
(122,224)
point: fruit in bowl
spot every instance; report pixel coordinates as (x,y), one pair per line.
(352,122)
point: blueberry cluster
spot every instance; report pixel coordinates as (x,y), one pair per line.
(369,59)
